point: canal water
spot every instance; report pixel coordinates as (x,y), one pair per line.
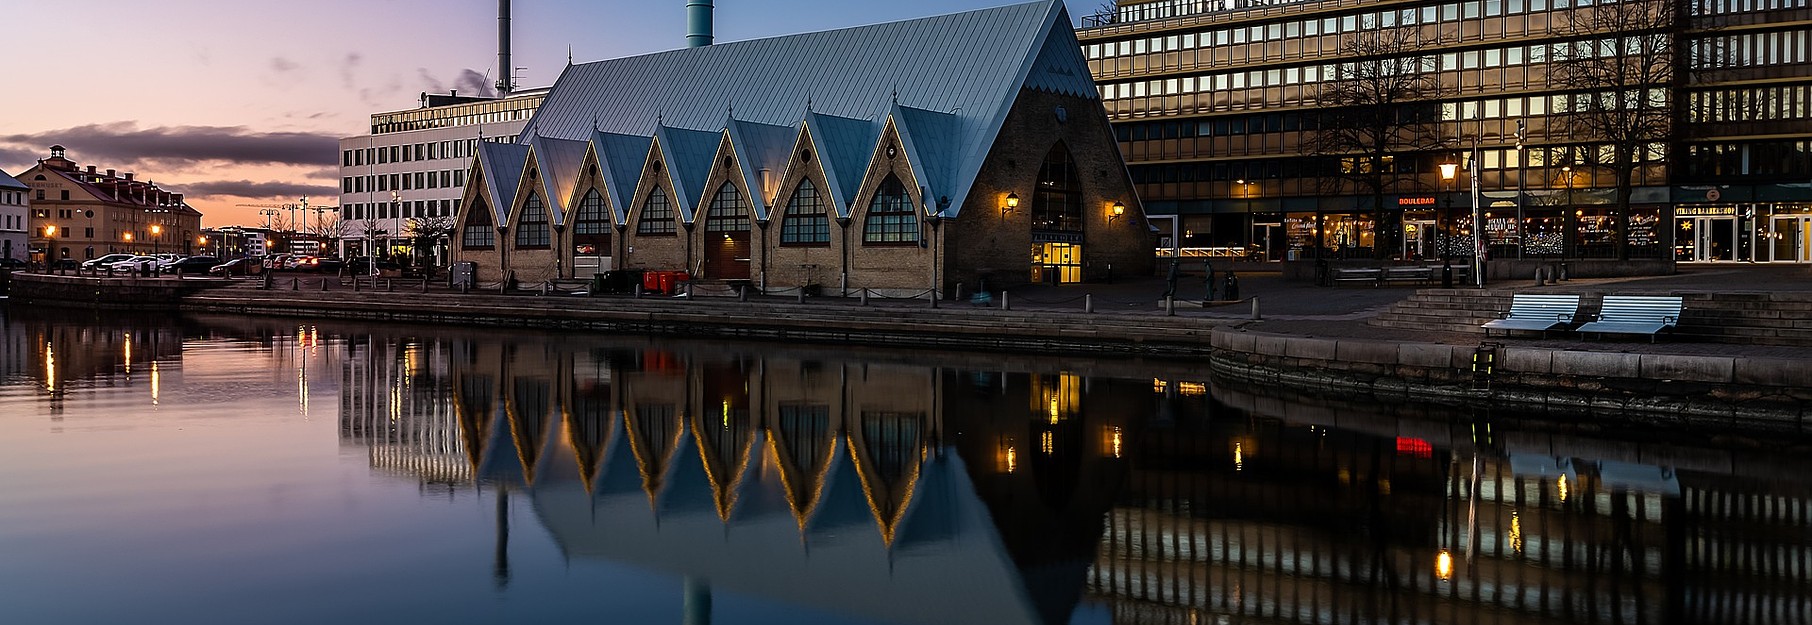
(226,470)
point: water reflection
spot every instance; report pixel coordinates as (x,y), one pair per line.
(923,487)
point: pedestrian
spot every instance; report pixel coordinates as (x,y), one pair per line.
(1170,281)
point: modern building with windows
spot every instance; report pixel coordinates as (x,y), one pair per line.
(413,164)
(15,201)
(80,213)
(903,158)
(1217,106)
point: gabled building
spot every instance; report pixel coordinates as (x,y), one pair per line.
(81,213)
(904,157)
(15,200)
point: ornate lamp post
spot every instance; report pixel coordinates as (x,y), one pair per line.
(157,232)
(1449,170)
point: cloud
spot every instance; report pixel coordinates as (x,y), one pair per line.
(282,65)
(349,67)
(258,190)
(126,144)
(474,83)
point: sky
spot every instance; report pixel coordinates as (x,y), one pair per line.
(245,102)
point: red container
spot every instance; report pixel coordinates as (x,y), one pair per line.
(651,281)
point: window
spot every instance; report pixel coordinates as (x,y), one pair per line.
(480,234)
(592,217)
(657,214)
(1057,198)
(728,213)
(531,228)
(890,218)
(805,222)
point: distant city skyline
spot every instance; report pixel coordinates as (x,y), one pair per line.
(247,106)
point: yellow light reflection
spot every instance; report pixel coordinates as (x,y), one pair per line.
(1116,442)
(1443,565)
(1046,443)
(726,413)
(1516,532)
(1561,485)
(1158,386)
(1012,459)
(128,354)
(155,382)
(1192,389)
(50,367)
(1239,456)
(1059,399)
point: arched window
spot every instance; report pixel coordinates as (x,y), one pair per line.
(657,214)
(1057,199)
(531,229)
(592,218)
(728,213)
(890,218)
(805,222)
(480,234)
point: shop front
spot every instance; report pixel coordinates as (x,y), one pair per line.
(1744,232)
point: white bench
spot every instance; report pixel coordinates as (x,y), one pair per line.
(1539,313)
(1635,314)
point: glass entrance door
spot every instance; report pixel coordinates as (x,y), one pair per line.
(1790,239)
(1706,239)
(1419,240)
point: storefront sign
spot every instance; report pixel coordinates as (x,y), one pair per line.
(1705,211)
(1415,201)
(1055,237)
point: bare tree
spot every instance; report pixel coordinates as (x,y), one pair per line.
(331,230)
(1620,74)
(369,227)
(427,232)
(1379,115)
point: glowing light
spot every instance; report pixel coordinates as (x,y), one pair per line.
(1561,485)
(128,354)
(50,367)
(155,382)
(1158,386)
(1012,459)
(1046,443)
(1239,456)
(1192,389)
(1516,532)
(1116,442)
(1443,565)
(726,413)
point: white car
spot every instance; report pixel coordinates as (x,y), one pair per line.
(104,261)
(133,264)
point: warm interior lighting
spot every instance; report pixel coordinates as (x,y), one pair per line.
(1443,565)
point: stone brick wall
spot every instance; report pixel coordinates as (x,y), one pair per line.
(490,262)
(656,252)
(788,266)
(894,268)
(534,264)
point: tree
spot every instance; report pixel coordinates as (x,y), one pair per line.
(1619,76)
(427,233)
(369,227)
(331,230)
(1379,116)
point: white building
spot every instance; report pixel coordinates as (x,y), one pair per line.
(14,201)
(412,166)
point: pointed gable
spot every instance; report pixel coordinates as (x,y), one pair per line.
(501,165)
(843,147)
(968,67)
(929,139)
(619,158)
(9,182)
(687,154)
(559,160)
(760,146)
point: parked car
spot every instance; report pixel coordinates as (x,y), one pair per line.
(12,263)
(192,264)
(238,267)
(135,263)
(362,266)
(104,261)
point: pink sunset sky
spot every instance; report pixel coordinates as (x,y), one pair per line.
(244,102)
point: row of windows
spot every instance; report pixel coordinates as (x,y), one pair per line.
(1275,77)
(17,222)
(513,109)
(1553,160)
(406,181)
(1780,159)
(1752,49)
(12,198)
(429,151)
(1725,7)
(1759,103)
(401,210)
(1296,29)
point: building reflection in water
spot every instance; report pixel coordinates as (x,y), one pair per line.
(933,490)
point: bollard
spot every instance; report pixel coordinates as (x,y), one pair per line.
(742,293)
(932,295)
(324,284)
(388,285)
(638,291)
(1170,306)
(1539,278)
(864,296)
(1004,305)
(802,295)
(1563,272)
(355,284)
(1255,308)
(959,291)
(1088,302)
(424,285)
(295,284)
(266,282)
(110,271)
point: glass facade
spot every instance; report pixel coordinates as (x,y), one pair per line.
(1220,107)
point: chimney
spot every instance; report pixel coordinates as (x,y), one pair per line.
(698,23)
(452,93)
(90,169)
(176,198)
(110,173)
(128,175)
(506,73)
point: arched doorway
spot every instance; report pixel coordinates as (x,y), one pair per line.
(1057,220)
(727,235)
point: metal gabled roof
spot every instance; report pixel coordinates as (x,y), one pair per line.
(969,65)
(560,161)
(760,146)
(844,147)
(929,140)
(687,154)
(7,181)
(501,164)
(1060,67)
(620,159)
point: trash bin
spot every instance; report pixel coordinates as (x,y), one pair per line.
(599,283)
(651,281)
(622,280)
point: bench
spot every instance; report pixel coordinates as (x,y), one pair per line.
(1635,314)
(1536,312)
(1356,274)
(1409,274)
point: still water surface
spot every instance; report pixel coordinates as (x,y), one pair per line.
(217,470)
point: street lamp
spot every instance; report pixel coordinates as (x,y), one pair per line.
(1567,218)
(1449,171)
(157,232)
